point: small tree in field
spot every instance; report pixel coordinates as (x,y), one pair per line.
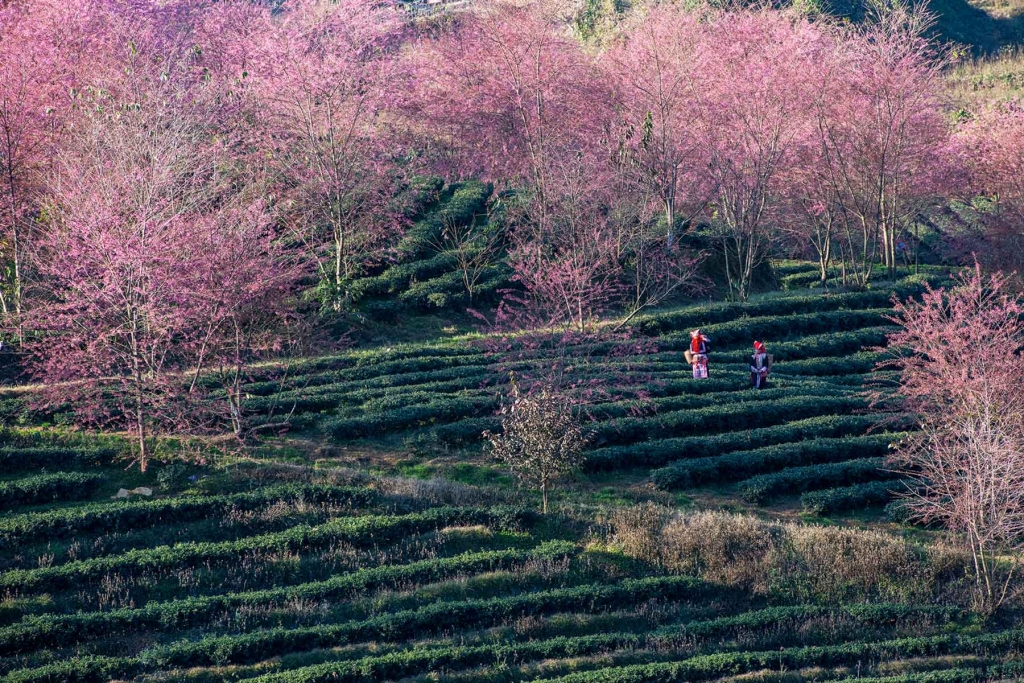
(961,377)
(541,439)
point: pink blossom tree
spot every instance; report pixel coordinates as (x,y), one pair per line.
(755,121)
(990,149)
(45,58)
(960,375)
(325,73)
(882,136)
(659,73)
(511,96)
(155,253)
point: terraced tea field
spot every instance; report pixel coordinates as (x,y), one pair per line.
(285,572)
(808,435)
(276,574)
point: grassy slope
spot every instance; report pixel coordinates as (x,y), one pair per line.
(267,573)
(417,409)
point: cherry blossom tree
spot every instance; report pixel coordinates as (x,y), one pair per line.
(659,72)
(325,72)
(757,100)
(990,148)
(511,96)
(155,252)
(48,49)
(812,212)
(883,136)
(960,371)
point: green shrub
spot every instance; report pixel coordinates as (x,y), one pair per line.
(60,631)
(854,497)
(764,487)
(446,409)
(741,464)
(44,488)
(257,646)
(655,453)
(99,518)
(763,408)
(795,307)
(22,458)
(359,531)
(706,667)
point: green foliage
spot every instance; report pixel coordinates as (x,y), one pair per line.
(854,497)
(762,488)
(706,667)
(252,647)
(738,465)
(773,307)
(362,531)
(655,453)
(446,409)
(62,630)
(44,488)
(22,458)
(763,408)
(112,516)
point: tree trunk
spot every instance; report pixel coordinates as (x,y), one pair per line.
(544,496)
(141,417)
(670,219)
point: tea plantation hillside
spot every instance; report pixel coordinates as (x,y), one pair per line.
(318,563)
(808,435)
(282,574)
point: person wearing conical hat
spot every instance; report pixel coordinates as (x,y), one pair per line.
(760,366)
(698,354)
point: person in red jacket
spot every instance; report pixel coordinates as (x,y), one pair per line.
(698,354)
(760,366)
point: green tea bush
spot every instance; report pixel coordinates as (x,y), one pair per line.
(44,488)
(22,458)
(446,409)
(395,626)
(741,464)
(657,453)
(762,409)
(362,531)
(99,518)
(762,488)
(60,631)
(853,497)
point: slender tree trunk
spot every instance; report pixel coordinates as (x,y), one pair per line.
(140,419)
(670,219)
(16,252)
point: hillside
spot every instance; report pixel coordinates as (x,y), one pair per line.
(431,401)
(327,569)
(375,541)
(347,341)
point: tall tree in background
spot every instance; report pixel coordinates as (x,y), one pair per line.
(758,98)
(659,72)
(154,251)
(960,374)
(36,90)
(325,72)
(883,136)
(991,149)
(513,97)
(813,212)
